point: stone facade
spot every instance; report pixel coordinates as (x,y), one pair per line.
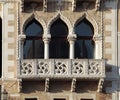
(66,81)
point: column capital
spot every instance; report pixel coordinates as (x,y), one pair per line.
(97,37)
(46,37)
(71,37)
(22,37)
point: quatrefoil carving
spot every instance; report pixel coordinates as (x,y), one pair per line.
(43,68)
(77,68)
(60,68)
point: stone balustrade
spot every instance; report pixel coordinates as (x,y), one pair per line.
(62,68)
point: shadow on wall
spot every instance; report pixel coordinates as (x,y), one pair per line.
(32,86)
(112,74)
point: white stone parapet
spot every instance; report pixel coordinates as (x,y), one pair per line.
(62,68)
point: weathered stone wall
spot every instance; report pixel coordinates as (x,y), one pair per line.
(14,21)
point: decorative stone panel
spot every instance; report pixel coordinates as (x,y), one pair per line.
(62,68)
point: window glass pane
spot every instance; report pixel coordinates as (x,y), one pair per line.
(59,45)
(33,46)
(59,28)
(39,49)
(84,49)
(84,28)
(59,48)
(84,45)
(28,49)
(33,28)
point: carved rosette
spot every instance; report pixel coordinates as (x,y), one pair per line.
(42,67)
(27,67)
(78,68)
(94,68)
(60,68)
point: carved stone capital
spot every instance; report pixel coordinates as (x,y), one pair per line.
(22,37)
(97,37)
(71,37)
(46,38)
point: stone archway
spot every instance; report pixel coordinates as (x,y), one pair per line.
(40,20)
(90,19)
(64,19)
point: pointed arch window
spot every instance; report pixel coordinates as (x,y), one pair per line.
(33,46)
(59,45)
(84,45)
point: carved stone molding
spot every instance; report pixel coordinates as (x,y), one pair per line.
(22,37)
(65,19)
(45,5)
(97,5)
(46,84)
(46,37)
(97,37)
(73,85)
(38,18)
(90,19)
(73,5)
(72,37)
(20,85)
(100,85)
(62,68)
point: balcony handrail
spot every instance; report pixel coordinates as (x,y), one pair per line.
(61,68)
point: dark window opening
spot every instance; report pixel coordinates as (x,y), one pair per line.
(30,5)
(0,47)
(84,45)
(59,99)
(33,45)
(59,46)
(82,4)
(31,99)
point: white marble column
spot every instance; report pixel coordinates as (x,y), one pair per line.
(71,39)
(71,55)
(46,47)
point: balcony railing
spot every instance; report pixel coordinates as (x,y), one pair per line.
(61,68)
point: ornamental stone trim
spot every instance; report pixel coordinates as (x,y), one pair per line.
(38,18)
(61,68)
(90,19)
(63,18)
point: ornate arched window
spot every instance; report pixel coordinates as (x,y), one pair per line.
(84,45)
(33,46)
(59,45)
